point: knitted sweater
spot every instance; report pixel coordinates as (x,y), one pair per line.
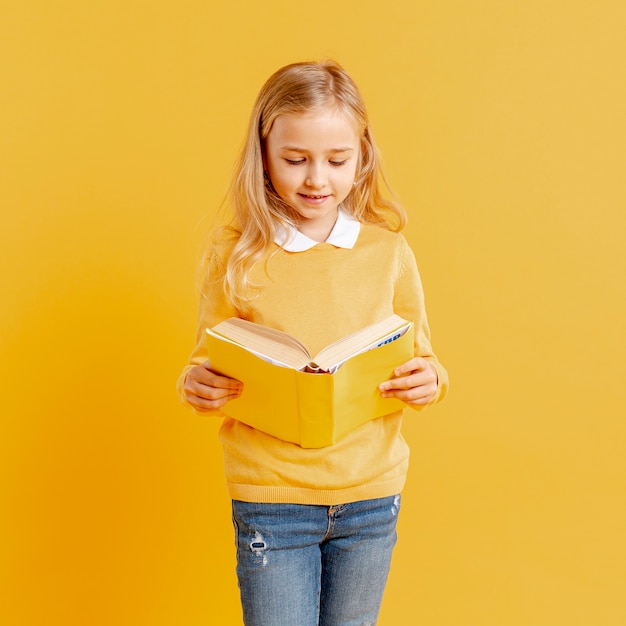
(320,295)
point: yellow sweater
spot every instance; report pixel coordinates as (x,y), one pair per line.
(320,295)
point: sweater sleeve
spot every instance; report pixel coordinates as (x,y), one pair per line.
(409,303)
(213,308)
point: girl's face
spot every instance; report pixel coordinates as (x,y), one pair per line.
(311,159)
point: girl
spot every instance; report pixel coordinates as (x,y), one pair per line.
(314,250)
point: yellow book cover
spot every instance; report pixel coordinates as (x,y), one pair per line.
(309,400)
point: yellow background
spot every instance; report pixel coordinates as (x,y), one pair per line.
(503,130)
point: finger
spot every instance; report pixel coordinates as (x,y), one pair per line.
(407,382)
(416,364)
(210,398)
(417,377)
(202,375)
(416,395)
(212,392)
(223,382)
(204,406)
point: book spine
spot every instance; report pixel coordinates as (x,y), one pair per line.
(315,414)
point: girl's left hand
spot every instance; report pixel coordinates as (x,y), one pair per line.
(414,382)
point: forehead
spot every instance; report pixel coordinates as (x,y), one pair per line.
(322,127)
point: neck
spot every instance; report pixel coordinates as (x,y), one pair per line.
(317,230)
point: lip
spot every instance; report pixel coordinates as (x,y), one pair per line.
(314,199)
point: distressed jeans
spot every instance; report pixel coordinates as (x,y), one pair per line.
(306,565)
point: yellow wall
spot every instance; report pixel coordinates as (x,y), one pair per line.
(503,130)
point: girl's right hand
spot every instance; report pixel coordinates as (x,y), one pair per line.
(207,391)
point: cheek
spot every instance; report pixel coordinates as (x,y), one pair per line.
(348,178)
(283,182)
(349,173)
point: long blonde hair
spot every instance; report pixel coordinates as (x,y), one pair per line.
(296,89)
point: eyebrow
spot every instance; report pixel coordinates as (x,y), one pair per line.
(302,150)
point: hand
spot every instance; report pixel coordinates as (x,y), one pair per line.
(414,382)
(207,391)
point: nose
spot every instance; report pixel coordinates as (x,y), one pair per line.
(315,176)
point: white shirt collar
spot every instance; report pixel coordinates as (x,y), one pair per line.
(344,234)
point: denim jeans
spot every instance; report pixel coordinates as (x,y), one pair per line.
(306,565)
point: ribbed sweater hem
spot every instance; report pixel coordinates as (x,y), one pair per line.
(324,497)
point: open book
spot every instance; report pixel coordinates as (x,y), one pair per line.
(311,400)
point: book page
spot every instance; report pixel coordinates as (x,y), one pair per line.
(269,344)
(368,338)
(280,348)
(392,336)
(265,357)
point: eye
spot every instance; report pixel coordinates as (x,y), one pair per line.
(295,161)
(338,163)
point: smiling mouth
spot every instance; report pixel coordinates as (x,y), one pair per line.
(313,197)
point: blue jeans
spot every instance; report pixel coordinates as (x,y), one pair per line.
(302,565)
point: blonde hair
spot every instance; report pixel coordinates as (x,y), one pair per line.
(296,89)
